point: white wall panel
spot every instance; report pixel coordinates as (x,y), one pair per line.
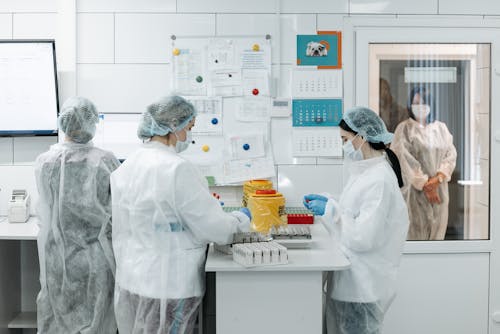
(262,24)
(95,38)
(440,293)
(479,7)
(315,6)
(26,149)
(281,137)
(296,181)
(145,38)
(123,88)
(284,82)
(226,6)
(6,150)
(16,177)
(6,26)
(33,26)
(291,26)
(126,5)
(394,7)
(330,22)
(28,6)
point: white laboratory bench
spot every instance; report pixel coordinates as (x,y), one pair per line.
(19,231)
(19,276)
(275,299)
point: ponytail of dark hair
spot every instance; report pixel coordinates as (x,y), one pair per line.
(393,159)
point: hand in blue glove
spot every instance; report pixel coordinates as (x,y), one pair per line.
(315,203)
(247,212)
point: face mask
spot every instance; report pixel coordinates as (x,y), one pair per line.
(421,111)
(183,145)
(351,153)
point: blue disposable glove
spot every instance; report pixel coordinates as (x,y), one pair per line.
(315,203)
(247,212)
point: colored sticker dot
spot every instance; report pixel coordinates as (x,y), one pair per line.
(255,47)
(199,78)
(205,148)
(246,147)
(255,91)
(215,121)
(176,52)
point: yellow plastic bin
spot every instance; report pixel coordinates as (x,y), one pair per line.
(250,187)
(268,210)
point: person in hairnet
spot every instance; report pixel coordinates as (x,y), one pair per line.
(163,218)
(369,222)
(428,157)
(74,242)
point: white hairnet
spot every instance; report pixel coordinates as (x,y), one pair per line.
(367,124)
(169,114)
(78,119)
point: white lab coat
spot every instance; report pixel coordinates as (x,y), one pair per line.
(163,219)
(370,223)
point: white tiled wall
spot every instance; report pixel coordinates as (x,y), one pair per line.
(35,26)
(394,7)
(123,87)
(146,38)
(32,6)
(123,51)
(480,7)
(95,38)
(5,26)
(126,5)
(226,6)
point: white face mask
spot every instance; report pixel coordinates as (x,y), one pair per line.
(183,145)
(350,152)
(421,111)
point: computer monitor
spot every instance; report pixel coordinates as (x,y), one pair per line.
(28,88)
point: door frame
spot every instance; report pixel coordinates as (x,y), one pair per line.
(358,33)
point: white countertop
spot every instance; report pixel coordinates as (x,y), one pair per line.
(18,231)
(323,255)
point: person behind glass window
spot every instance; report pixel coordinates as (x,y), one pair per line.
(428,157)
(390,111)
(369,222)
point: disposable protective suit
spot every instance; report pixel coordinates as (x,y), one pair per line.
(424,150)
(74,243)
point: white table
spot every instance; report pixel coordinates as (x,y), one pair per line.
(275,299)
(18,231)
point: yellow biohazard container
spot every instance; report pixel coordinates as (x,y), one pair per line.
(250,187)
(268,210)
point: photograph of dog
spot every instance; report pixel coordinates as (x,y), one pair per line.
(316,49)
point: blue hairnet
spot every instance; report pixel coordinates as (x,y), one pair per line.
(169,114)
(367,124)
(78,119)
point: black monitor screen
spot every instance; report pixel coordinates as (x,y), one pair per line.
(28,88)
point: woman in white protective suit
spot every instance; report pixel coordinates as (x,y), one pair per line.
(163,218)
(369,222)
(428,157)
(74,243)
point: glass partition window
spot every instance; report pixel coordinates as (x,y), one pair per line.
(436,100)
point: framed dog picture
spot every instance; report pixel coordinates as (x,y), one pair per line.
(323,50)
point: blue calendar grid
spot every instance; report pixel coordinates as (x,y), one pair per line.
(316,112)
